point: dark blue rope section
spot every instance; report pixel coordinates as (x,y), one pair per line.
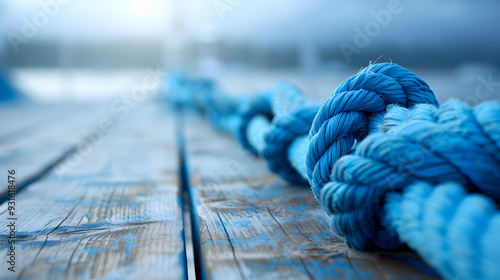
(345,118)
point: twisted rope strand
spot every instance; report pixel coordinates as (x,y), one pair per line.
(345,118)
(453,231)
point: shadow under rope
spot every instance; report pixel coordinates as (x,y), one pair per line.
(194,258)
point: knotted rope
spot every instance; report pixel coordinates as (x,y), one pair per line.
(452,143)
(364,158)
(346,117)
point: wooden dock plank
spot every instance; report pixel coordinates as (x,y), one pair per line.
(117,215)
(31,151)
(18,117)
(253,225)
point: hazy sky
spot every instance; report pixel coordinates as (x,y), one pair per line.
(452,30)
(439,26)
(261,21)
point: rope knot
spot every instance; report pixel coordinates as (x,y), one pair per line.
(275,103)
(345,118)
(260,105)
(453,143)
(284,130)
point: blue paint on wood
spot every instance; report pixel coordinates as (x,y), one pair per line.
(125,244)
(130,244)
(104,226)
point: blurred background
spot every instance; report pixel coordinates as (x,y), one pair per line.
(94,50)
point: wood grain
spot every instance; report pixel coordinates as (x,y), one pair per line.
(34,148)
(253,225)
(117,215)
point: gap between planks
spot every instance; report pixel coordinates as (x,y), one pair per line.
(191,231)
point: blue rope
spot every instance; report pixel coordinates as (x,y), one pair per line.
(256,130)
(283,99)
(260,106)
(285,133)
(297,152)
(455,232)
(286,98)
(203,96)
(452,143)
(372,154)
(345,118)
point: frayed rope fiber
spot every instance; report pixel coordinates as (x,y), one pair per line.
(387,163)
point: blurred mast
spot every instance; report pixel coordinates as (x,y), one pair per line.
(207,53)
(66,61)
(175,41)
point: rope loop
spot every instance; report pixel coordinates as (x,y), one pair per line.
(260,105)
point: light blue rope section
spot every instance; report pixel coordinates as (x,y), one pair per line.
(256,131)
(297,154)
(231,124)
(455,232)
(286,98)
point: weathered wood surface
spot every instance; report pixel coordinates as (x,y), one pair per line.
(16,117)
(117,214)
(44,136)
(252,225)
